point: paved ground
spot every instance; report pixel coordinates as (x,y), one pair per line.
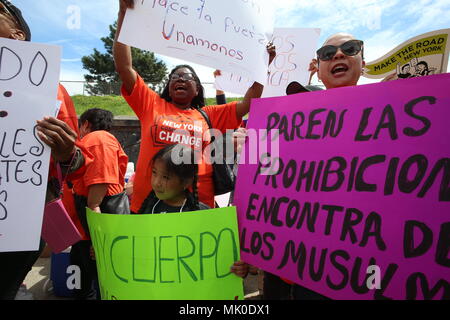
(39,284)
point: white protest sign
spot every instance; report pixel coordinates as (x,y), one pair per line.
(29,74)
(232,82)
(227,35)
(295,49)
(423,55)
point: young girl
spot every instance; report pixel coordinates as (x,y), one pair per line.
(170,188)
(171,183)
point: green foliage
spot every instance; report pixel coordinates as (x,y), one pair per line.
(116,104)
(103,77)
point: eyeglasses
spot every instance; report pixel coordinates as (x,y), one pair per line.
(349,48)
(184,76)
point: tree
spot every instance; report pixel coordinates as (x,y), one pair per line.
(103,78)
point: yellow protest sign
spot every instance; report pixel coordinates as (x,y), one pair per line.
(422,55)
(167,256)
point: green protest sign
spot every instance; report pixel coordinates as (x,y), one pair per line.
(178,256)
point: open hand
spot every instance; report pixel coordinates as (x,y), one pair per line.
(313,68)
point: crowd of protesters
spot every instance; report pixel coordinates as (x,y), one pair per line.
(94,163)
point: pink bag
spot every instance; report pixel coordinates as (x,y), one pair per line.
(58,230)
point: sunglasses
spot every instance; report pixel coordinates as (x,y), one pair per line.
(349,48)
(184,76)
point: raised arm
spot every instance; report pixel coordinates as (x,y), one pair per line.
(255,91)
(220,95)
(122,52)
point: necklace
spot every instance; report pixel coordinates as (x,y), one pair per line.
(153,210)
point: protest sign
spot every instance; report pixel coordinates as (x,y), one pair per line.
(29,74)
(295,48)
(232,82)
(167,256)
(226,35)
(423,55)
(356,205)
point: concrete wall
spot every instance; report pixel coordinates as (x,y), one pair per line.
(127,130)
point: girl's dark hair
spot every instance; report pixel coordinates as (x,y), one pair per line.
(199,100)
(186,170)
(99,119)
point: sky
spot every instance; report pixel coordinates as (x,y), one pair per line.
(382,24)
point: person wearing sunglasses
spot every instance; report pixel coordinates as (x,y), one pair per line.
(60,134)
(340,61)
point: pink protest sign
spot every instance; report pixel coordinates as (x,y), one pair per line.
(357,203)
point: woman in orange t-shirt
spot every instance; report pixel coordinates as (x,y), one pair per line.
(100,188)
(173,117)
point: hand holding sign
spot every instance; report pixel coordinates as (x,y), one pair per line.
(271,50)
(58,136)
(125,4)
(295,48)
(227,35)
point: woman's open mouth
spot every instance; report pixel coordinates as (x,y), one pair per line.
(339,69)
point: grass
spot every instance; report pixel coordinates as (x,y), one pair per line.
(116,104)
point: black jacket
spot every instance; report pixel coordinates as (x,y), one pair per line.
(190,205)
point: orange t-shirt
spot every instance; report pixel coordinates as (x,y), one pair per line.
(159,121)
(108,166)
(68,115)
(67,111)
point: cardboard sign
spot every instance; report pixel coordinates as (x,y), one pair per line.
(232,82)
(295,48)
(357,204)
(174,256)
(226,35)
(423,55)
(29,75)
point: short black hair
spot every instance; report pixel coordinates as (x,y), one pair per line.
(99,119)
(406,65)
(199,100)
(184,171)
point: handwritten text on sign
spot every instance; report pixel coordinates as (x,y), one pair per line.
(295,49)
(167,256)
(226,35)
(231,82)
(359,182)
(28,85)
